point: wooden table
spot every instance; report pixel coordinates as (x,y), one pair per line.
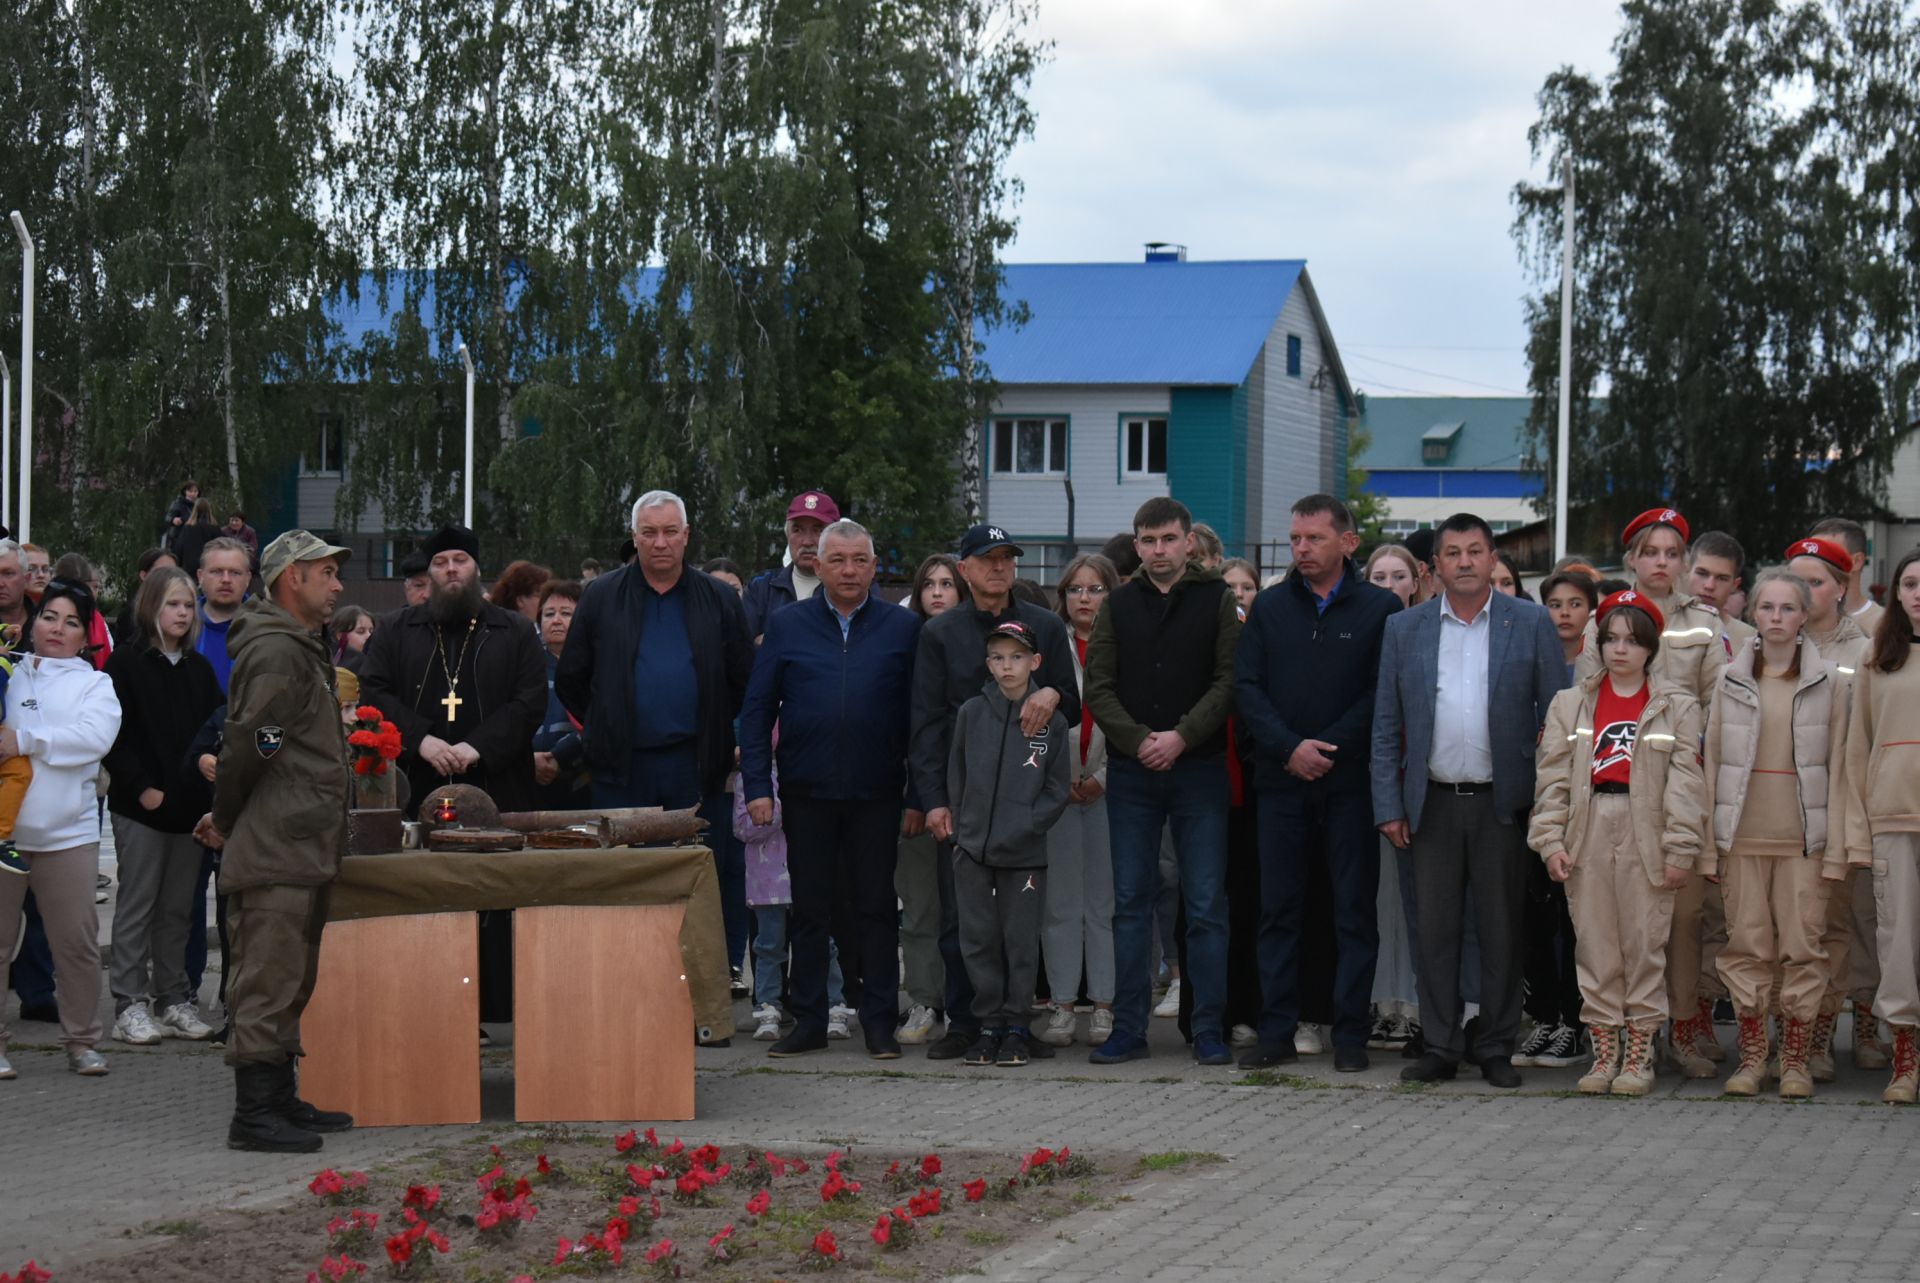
(604,993)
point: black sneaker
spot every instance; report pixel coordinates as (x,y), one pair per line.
(799,1043)
(1536,1043)
(1564,1047)
(1469,1035)
(1416,1045)
(1386,1034)
(1432,1067)
(1012,1052)
(1350,1060)
(11,860)
(985,1049)
(1723,1012)
(1269,1056)
(737,987)
(952,1045)
(1035,1048)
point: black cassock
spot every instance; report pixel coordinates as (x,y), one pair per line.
(502,692)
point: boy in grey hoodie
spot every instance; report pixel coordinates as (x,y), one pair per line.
(1006,789)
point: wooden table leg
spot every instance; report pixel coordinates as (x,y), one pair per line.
(603,1018)
(393,1031)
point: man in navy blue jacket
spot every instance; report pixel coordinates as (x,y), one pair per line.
(836,672)
(1304,680)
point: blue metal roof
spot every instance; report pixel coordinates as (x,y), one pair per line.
(1142,323)
(1172,323)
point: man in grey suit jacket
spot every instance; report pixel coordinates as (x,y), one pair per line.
(1465,680)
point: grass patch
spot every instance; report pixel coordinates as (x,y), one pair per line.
(1268,1078)
(985,1238)
(187,1230)
(1171,1159)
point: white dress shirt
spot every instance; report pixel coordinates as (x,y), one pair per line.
(1462,751)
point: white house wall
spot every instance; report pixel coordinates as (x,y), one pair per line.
(1036,507)
(1291,448)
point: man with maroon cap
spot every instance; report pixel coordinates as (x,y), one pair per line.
(810,512)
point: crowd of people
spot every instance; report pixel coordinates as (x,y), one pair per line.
(1391,805)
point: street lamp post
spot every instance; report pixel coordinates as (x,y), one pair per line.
(25,531)
(466,507)
(1563,464)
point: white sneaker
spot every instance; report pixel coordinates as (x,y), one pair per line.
(135,1027)
(917,1027)
(766,1021)
(1058,1029)
(1100,1028)
(1306,1040)
(182,1020)
(839,1022)
(1245,1036)
(1170,1005)
(6,1069)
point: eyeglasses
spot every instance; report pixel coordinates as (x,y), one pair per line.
(1087,590)
(70,588)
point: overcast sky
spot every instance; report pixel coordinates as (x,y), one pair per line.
(1377,139)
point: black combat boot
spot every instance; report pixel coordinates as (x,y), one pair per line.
(257,1124)
(288,1105)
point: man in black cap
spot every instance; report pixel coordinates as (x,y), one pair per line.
(465,682)
(949,669)
(414,580)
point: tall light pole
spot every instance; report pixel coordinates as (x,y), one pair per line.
(25,531)
(6,444)
(1563,464)
(466,508)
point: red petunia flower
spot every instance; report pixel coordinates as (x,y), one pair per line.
(825,1244)
(883,1229)
(930,1166)
(626,1140)
(759,1203)
(660,1251)
(542,1166)
(976,1190)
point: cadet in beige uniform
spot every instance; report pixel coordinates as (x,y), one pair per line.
(1775,741)
(1716,566)
(1883,815)
(1620,818)
(1691,657)
(1825,564)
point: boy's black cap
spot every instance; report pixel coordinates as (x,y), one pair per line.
(1014,630)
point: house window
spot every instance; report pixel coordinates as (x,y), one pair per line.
(1293,356)
(328,450)
(1146,448)
(1030,447)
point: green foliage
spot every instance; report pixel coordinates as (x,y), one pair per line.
(1747,276)
(730,247)
(170,173)
(1369,509)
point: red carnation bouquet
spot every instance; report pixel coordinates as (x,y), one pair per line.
(374,740)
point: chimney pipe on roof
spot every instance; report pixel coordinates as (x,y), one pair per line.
(1166,252)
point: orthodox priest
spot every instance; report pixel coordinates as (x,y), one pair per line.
(465,681)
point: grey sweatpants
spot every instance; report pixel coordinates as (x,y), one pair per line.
(1000,915)
(916,880)
(1079,920)
(159,874)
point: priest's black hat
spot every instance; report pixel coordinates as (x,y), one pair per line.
(452,539)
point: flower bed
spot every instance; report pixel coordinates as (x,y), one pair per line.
(563,1203)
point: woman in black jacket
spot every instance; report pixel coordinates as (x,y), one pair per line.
(200,530)
(166,690)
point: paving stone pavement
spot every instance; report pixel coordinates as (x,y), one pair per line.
(1325,1176)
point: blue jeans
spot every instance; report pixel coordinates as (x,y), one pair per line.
(770,955)
(670,777)
(1192,797)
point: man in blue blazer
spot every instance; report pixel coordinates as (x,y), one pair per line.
(1465,680)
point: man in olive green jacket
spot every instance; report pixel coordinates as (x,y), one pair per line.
(280,815)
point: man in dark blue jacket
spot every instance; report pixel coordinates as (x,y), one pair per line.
(1304,678)
(836,672)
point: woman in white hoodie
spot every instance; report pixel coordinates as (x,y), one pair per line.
(63,715)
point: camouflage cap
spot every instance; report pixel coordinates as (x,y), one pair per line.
(295,545)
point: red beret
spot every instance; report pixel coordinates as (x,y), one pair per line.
(1636,601)
(1832,552)
(815,504)
(1656,517)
